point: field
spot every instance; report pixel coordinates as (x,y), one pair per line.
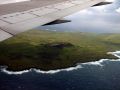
(52,50)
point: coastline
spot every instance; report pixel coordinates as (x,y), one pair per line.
(78,66)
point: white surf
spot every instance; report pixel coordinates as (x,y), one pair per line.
(78,66)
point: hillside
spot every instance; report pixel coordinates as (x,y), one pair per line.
(52,50)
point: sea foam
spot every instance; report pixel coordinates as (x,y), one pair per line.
(78,66)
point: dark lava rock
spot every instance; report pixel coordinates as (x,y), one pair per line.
(59,45)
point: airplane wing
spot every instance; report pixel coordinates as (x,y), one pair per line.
(20,17)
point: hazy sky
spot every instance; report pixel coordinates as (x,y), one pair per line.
(102,19)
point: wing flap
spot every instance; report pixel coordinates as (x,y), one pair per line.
(64,5)
(17,17)
(3,23)
(42,11)
(78,1)
(4,35)
(26,25)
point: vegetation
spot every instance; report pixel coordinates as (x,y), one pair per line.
(52,50)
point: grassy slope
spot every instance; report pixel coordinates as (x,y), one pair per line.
(35,49)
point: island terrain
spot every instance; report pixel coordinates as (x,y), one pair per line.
(48,50)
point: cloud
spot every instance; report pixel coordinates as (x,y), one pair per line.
(118,10)
(100,19)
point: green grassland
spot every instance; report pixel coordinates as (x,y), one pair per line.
(52,50)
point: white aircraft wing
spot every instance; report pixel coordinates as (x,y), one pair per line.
(19,17)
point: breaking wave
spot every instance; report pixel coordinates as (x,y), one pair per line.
(4,69)
(78,66)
